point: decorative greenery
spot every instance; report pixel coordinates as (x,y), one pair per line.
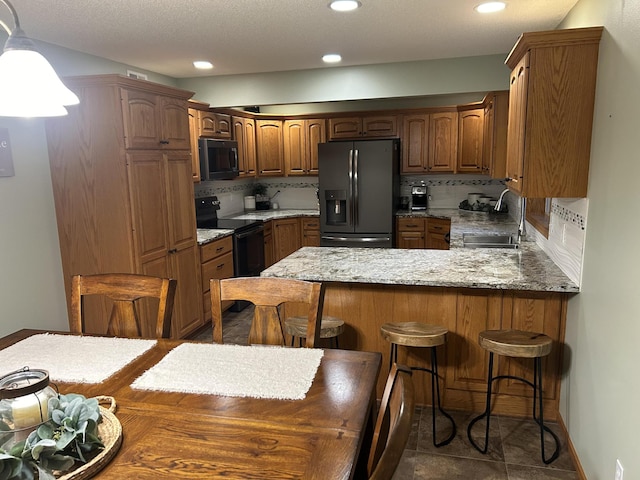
(259,189)
(57,444)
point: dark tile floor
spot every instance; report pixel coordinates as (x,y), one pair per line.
(514,443)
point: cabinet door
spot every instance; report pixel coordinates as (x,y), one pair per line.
(238,131)
(346,127)
(415,143)
(148,204)
(310,232)
(487,146)
(438,231)
(216,125)
(142,124)
(443,141)
(316,133)
(496,115)
(269,147)
(380,126)
(470,140)
(250,147)
(410,240)
(179,198)
(174,114)
(187,310)
(517,120)
(286,236)
(295,147)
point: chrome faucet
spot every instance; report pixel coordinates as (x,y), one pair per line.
(498,206)
(523,206)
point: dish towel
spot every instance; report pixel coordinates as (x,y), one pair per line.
(234,371)
(73,358)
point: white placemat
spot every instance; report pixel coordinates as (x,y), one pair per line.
(73,358)
(234,371)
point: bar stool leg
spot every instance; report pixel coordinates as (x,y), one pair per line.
(537,388)
(486,413)
(435,387)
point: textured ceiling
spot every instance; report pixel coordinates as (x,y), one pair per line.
(250,36)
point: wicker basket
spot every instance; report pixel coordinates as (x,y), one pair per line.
(110,432)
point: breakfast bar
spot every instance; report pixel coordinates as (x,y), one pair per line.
(465,290)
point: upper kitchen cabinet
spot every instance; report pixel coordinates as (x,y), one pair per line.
(496,115)
(121,207)
(429,142)
(551,101)
(269,148)
(374,126)
(216,125)
(301,139)
(245,134)
(470,140)
(154,121)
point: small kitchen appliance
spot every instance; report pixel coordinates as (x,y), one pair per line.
(419,197)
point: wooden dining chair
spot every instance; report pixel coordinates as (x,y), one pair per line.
(267,294)
(124,289)
(393,424)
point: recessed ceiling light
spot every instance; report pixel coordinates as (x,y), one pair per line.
(344,5)
(490,7)
(331,58)
(203,65)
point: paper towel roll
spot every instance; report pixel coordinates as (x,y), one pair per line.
(250,202)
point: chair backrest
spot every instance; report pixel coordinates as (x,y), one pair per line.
(393,424)
(267,294)
(124,289)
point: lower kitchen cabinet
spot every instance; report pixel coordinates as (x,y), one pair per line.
(438,231)
(216,262)
(286,237)
(419,232)
(310,232)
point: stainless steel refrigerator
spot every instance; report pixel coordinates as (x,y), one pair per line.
(358,190)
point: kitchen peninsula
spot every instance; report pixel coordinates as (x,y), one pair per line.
(464,290)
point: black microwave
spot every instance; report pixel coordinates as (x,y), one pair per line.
(218,159)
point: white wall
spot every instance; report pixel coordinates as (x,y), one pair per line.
(600,391)
(31,288)
(433,77)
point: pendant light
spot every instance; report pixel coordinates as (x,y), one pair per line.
(29,87)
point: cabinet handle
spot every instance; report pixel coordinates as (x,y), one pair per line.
(435,227)
(220,267)
(173,250)
(411,225)
(164,142)
(219,248)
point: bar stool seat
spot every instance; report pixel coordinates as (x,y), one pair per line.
(421,335)
(518,344)
(330,327)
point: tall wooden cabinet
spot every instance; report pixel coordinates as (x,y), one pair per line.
(269,147)
(122,182)
(470,140)
(496,115)
(551,101)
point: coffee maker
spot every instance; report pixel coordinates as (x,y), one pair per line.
(419,197)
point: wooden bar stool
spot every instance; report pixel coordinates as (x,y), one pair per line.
(415,334)
(519,344)
(330,327)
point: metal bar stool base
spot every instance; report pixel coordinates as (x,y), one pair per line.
(537,395)
(435,393)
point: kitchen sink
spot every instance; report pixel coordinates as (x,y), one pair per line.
(470,240)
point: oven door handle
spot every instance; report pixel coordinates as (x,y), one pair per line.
(253,231)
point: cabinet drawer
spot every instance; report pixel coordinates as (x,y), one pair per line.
(221,267)
(438,225)
(310,224)
(407,224)
(215,249)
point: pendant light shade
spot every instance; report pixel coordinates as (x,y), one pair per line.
(29,87)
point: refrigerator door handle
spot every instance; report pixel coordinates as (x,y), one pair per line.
(356,206)
(351,203)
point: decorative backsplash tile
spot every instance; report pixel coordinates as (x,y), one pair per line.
(448,180)
(569,216)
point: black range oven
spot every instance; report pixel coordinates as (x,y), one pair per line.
(248,237)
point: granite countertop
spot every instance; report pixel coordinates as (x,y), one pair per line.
(206,235)
(527,268)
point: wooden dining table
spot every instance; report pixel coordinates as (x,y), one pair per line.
(183,435)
